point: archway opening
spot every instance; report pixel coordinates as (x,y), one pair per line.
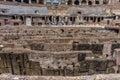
(97,2)
(41,1)
(13,17)
(57,18)
(10,0)
(83,2)
(76,2)
(50,18)
(26,1)
(48,1)
(105,1)
(89,2)
(69,2)
(19,1)
(63,1)
(33,1)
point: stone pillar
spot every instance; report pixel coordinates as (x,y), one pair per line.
(37,1)
(4,0)
(93,2)
(101,2)
(54,19)
(77,20)
(79,2)
(21,1)
(13,1)
(51,1)
(66,3)
(29,1)
(72,2)
(59,2)
(44,1)
(86,2)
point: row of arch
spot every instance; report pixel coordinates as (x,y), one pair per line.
(89,2)
(26,1)
(69,2)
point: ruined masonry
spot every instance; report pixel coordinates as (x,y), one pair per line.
(59,39)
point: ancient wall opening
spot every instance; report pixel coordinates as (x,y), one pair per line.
(63,1)
(41,1)
(18,1)
(33,1)
(69,2)
(76,2)
(26,1)
(89,2)
(48,1)
(97,2)
(83,2)
(10,0)
(105,1)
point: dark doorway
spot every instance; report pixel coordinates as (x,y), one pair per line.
(50,18)
(76,2)
(41,1)
(26,1)
(33,1)
(89,2)
(105,1)
(97,2)
(69,2)
(18,1)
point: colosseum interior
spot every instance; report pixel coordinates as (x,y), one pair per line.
(59,39)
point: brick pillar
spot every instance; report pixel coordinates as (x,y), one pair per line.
(59,2)
(66,3)
(86,2)
(72,2)
(29,1)
(44,1)
(37,1)
(13,1)
(79,2)
(101,2)
(21,1)
(93,2)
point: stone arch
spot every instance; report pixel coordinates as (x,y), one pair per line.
(97,2)
(89,2)
(69,2)
(105,1)
(76,2)
(83,2)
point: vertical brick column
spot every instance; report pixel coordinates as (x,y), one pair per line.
(21,1)
(93,2)
(44,1)
(72,2)
(13,1)
(37,1)
(29,1)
